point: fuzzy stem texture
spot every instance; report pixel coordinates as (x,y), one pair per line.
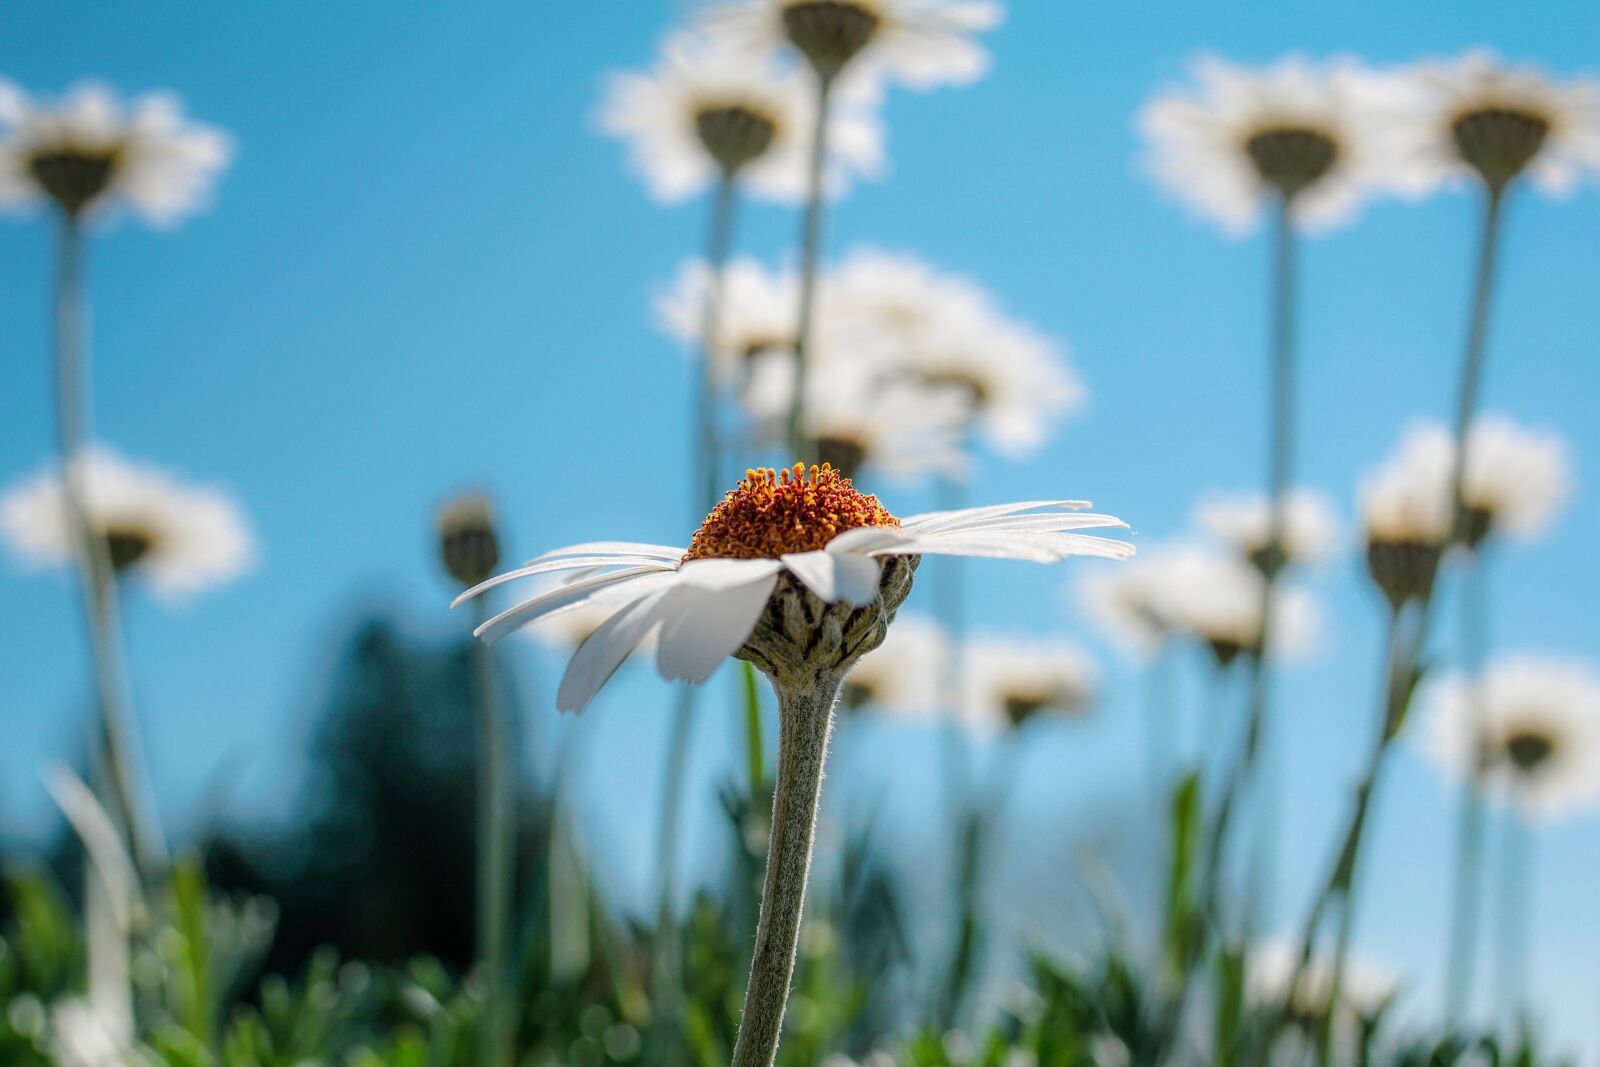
(805,717)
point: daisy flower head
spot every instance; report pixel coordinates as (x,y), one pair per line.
(1515,481)
(1244,521)
(1011,679)
(901,675)
(1477,115)
(755,317)
(706,111)
(91,150)
(796,571)
(1216,598)
(180,538)
(1299,130)
(469,546)
(1531,724)
(921,44)
(1406,514)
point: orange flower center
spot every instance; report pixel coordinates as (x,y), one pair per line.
(771,513)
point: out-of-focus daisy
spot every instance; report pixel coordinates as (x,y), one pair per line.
(1406,516)
(468,544)
(1515,481)
(1130,604)
(901,675)
(1364,986)
(797,572)
(755,318)
(1244,521)
(1296,129)
(856,420)
(1011,679)
(181,538)
(706,110)
(90,149)
(946,330)
(1216,598)
(917,43)
(1534,721)
(1477,115)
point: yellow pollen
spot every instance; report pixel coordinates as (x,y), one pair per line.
(771,513)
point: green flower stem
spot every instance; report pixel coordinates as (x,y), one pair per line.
(810,243)
(129,798)
(1465,907)
(495,835)
(1516,879)
(805,717)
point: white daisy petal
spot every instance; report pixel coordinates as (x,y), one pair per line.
(598,658)
(589,564)
(553,600)
(939,520)
(702,626)
(836,576)
(612,548)
(715,574)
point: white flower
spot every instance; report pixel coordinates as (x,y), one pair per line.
(901,675)
(566,630)
(1128,603)
(757,314)
(1406,499)
(813,528)
(903,428)
(704,108)
(1244,521)
(1364,986)
(181,538)
(89,150)
(1476,114)
(1011,678)
(947,330)
(1310,131)
(1216,598)
(1537,722)
(920,44)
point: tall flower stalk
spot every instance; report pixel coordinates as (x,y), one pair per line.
(810,246)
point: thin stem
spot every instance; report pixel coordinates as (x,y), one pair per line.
(805,717)
(1516,876)
(495,831)
(1477,332)
(1466,906)
(1159,725)
(94,560)
(810,243)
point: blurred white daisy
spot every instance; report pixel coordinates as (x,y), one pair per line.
(1009,679)
(1406,515)
(1299,129)
(1216,598)
(1243,521)
(705,110)
(181,538)
(90,149)
(792,564)
(920,44)
(1364,986)
(1128,604)
(1476,114)
(901,675)
(756,316)
(1534,720)
(857,420)
(947,330)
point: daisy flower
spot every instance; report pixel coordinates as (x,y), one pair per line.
(705,111)
(1243,521)
(1534,721)
(755,316)
(468,544)
(901,675)
(1303,131)
(1216,598)
(1010,679)
(1477,115)
(91,150)
(1364,986)
(1516,479)
(181,538)
(920,44)
(791,558)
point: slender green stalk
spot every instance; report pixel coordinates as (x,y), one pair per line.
(702,497)
(1466,906)
(129,796)
(810,244)
(805,717)
(495,834)
(1160,726)
(755,757)
(1516,878)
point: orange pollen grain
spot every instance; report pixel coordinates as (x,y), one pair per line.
(771,513)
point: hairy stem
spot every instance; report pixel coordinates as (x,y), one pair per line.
(805,717)
(810,243)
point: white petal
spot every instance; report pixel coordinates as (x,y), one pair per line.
(1040,548)
(702,627)
(836,576)
(937,520)
(562,597)
(714,574)
(598,658)
(864,540)
(588,564)
(1057,521)
(612,548)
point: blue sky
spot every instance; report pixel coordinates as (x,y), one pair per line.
(425,270)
